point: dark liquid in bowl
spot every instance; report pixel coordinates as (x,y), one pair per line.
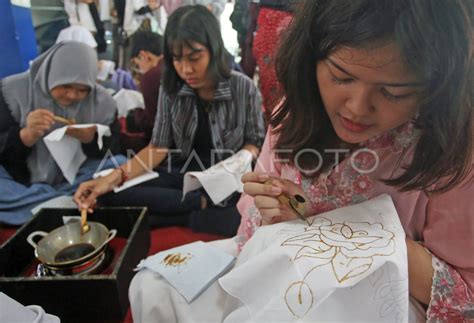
(74,252)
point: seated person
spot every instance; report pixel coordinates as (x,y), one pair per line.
(204,111)
(146,56)
(60,83)
(373,110)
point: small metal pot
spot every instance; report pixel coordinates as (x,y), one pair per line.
(66,247)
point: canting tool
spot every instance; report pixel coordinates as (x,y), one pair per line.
(295,202)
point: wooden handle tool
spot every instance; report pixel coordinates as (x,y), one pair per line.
(84,225)
(297,203)
(64,120)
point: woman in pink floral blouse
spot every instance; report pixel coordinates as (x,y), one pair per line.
(379,100)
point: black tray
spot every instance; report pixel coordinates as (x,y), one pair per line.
(100,297)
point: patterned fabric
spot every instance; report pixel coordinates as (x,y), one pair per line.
(270,25)
(235,117)
(349,183)
(443,222)
(451,300)
(343,184)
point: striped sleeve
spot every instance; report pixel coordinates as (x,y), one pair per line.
(254,125)
(162,134)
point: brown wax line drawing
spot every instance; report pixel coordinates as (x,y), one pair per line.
(349,247)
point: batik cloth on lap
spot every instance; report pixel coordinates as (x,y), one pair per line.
(291,271)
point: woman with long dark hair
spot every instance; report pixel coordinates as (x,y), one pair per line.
(204,111)
(378,101)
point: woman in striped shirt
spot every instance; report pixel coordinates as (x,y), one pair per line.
(205,112)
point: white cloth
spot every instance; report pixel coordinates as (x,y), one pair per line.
(106,69)
(67,151)
(79,14)
(353,252)
(12,311)
(129,183)
(104,10)
(132,20)
(77,33)
(222,179)
(191,268)
(127,100)
(59,202)
(264,285)
(152,299)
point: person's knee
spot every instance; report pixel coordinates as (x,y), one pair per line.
(140,281)
(146,287)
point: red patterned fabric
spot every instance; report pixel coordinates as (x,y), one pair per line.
(270,25)
(451,299)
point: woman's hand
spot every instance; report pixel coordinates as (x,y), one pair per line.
(37,123)
(420,271)
(267,194)
(88,192)
(85,135)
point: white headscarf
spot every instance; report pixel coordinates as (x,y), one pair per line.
(64,63)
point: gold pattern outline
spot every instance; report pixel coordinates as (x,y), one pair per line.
(335,255)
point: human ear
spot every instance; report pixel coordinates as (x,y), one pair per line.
(144,55)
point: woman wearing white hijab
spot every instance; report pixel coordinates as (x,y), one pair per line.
(60,82)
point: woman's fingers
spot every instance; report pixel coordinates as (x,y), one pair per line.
(92,206)
(42,114)
(39,125)
(255,177)
(80,194)
(271,216)
(40,129)
(273,209)
(85,196)
(272,196)
(253,189)
(282,218)
(266,202)
(40,118)
(89,201)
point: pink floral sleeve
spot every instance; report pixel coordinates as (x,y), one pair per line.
(251,218)
(451,299)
